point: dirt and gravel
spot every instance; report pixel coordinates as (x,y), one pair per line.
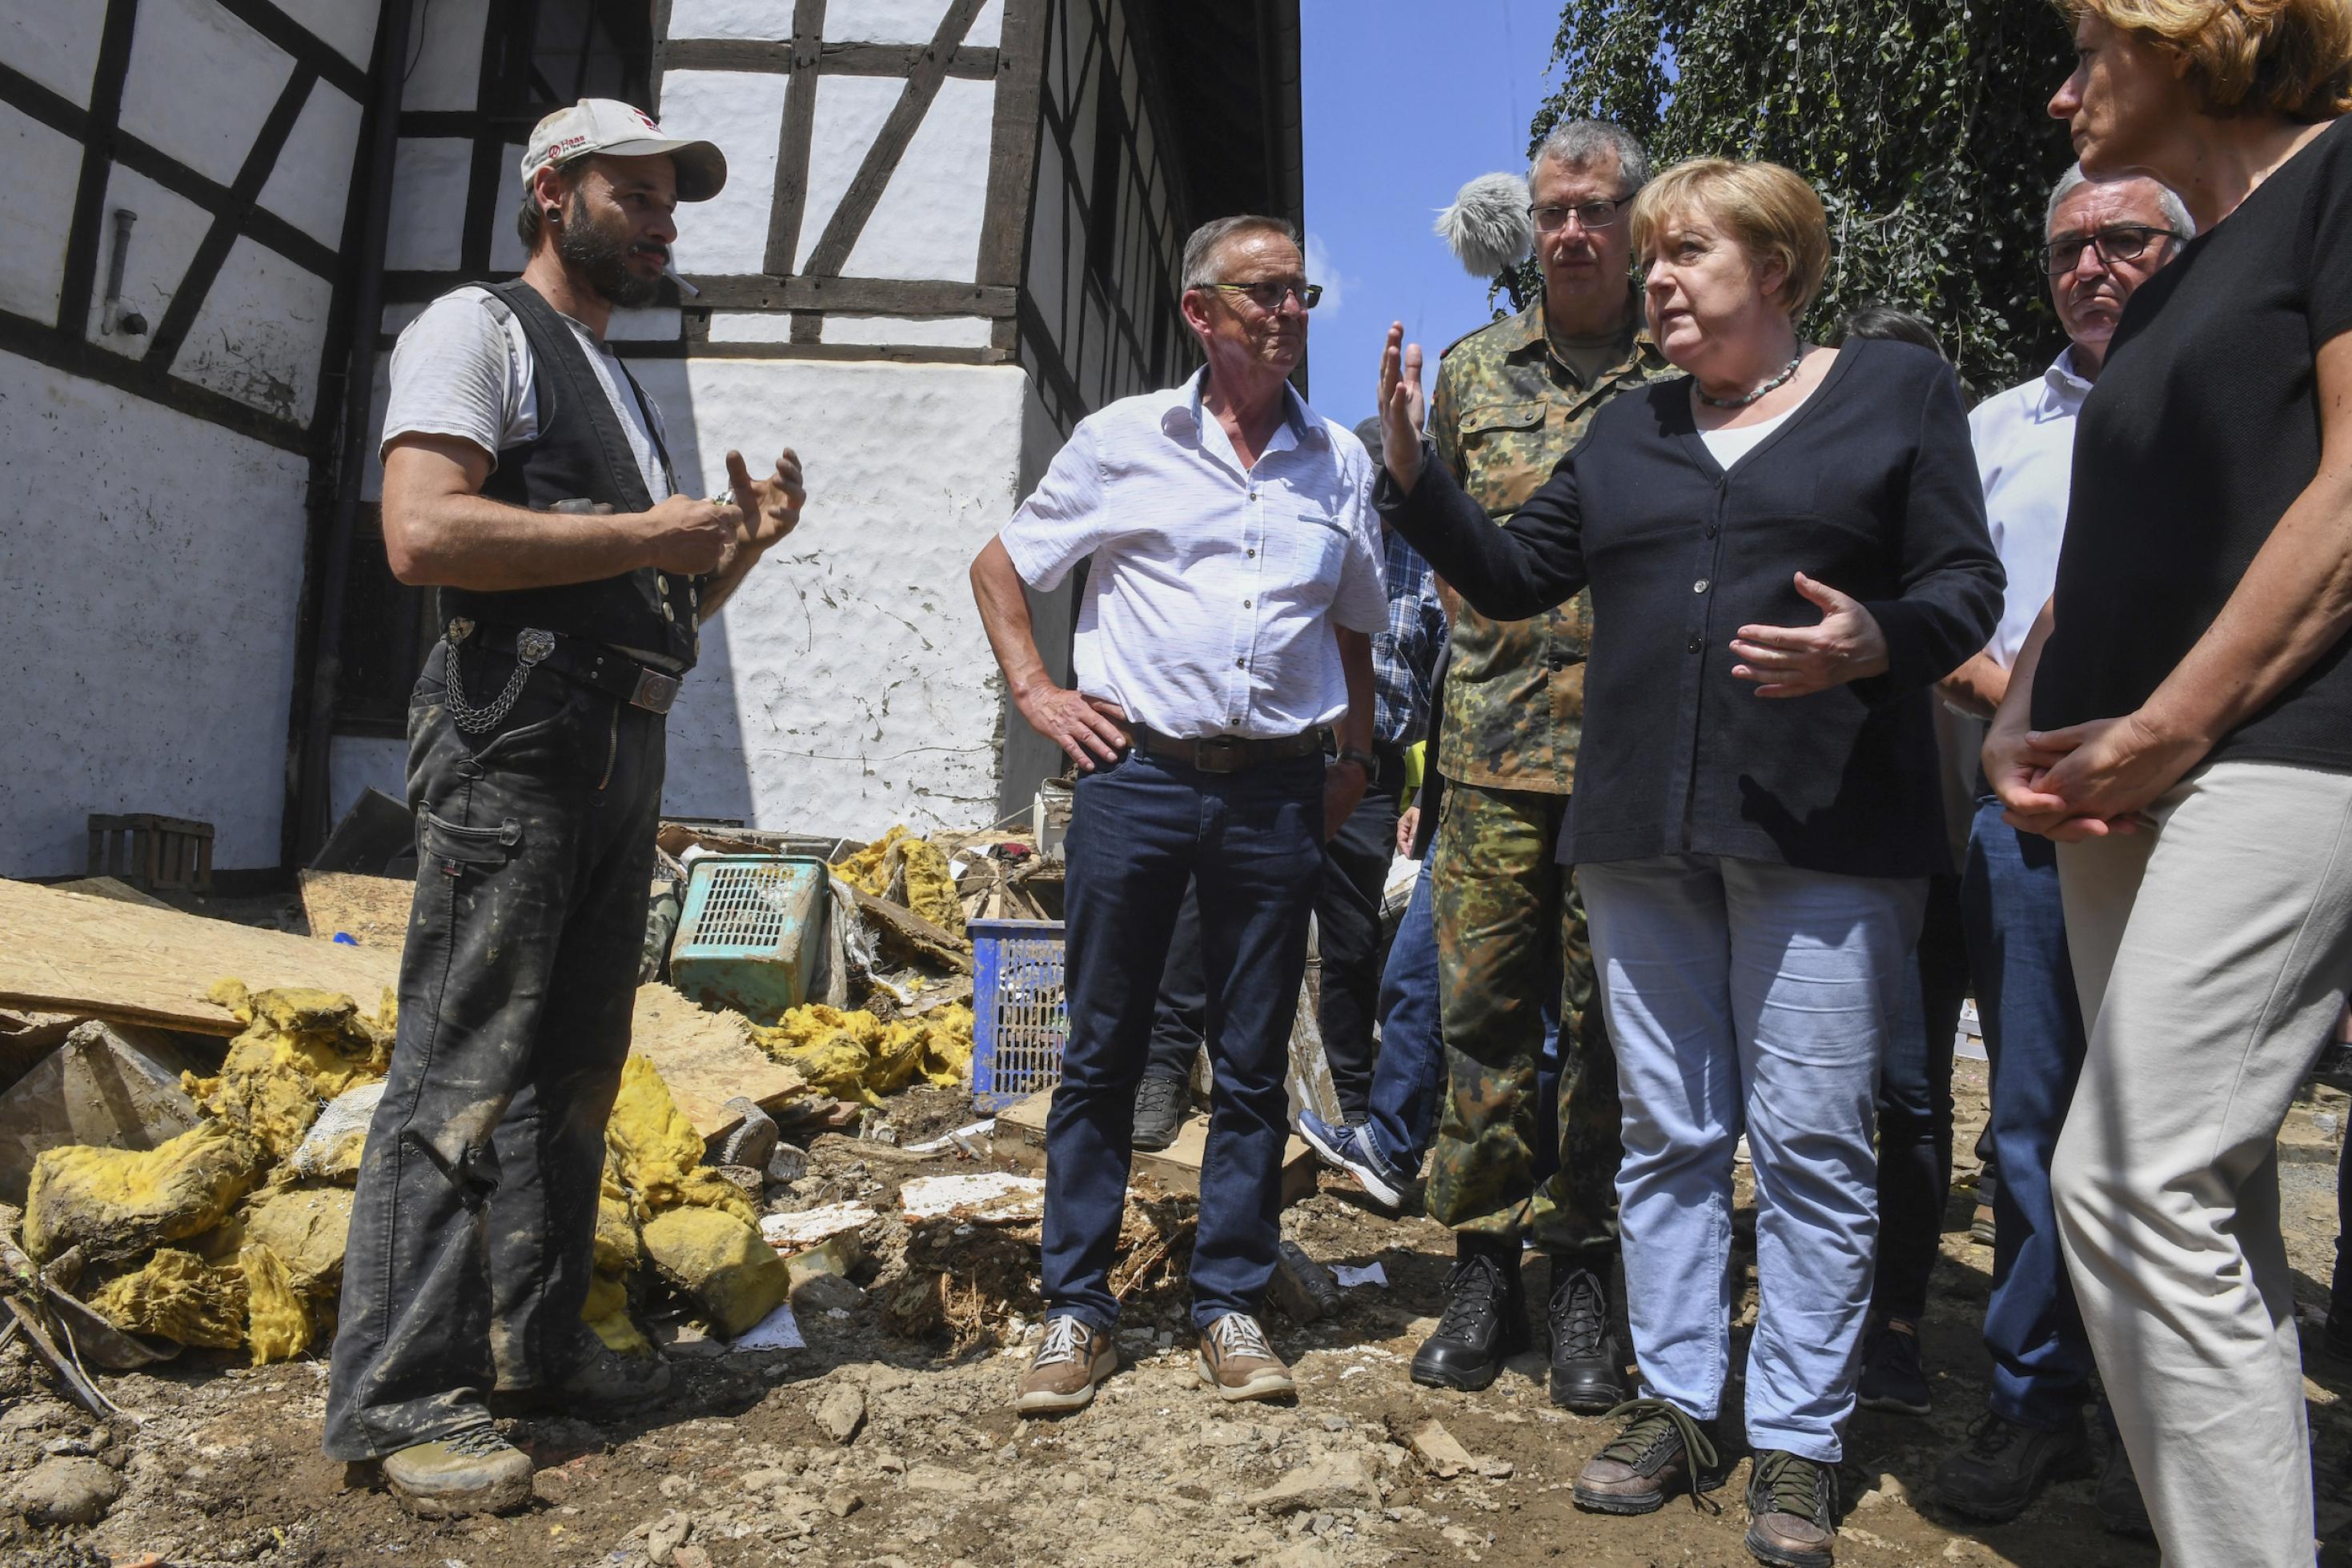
(865,1449)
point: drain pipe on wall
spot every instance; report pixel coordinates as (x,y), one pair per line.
(311,783)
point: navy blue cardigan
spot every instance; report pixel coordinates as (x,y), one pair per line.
(1870,487)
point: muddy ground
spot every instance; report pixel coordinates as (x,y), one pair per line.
(868,1449)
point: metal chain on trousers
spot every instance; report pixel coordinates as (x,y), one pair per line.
(529,649)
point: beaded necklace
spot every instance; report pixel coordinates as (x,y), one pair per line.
(1781,380)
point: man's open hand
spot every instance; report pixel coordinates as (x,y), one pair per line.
(771,506)
(1087,729)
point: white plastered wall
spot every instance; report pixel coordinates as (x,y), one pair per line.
(144,624)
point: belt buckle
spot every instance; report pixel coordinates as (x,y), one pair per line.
(655,693)
(1220,754)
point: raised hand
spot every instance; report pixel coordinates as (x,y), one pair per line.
(771,506)
(1798,661)
(1401,408)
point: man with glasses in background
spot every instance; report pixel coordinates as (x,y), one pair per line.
(2105,238)
(1527,1149)
(1233,588)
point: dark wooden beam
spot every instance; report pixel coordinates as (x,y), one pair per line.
(831,252)
(894,353)
(306,48)
(77,356)
(775,57)
(87,229)
(212,251)
(792,140)
(1013,143)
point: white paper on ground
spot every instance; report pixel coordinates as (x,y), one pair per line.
(1349,1276)
(778,1331)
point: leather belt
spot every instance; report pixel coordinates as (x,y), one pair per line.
(592,664)
(1226,753)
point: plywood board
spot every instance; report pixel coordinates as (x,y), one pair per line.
(374,910)
(93,958)
(707,1059)
(110,887)
(1021,1138)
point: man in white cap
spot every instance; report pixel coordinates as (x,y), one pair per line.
(526,477)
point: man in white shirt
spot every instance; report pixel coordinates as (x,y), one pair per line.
(525,476)
(2105,239)
(1232,586)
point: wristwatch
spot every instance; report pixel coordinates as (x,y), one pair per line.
(1361,758)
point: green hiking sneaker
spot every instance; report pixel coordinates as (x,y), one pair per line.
(1792,1509)
(476,1471)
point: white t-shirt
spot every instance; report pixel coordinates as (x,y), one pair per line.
(464,369)
(1729,446)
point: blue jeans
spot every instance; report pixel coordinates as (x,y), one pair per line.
(2033,1033)
(1746,994)
(1252,841)
(1409,1080)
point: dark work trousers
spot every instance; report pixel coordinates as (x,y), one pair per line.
(2032,1015)
(1140,830)
(1914,1109)
(1346,941)
(469,1256)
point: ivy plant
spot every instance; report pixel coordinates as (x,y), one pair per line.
(1921,122)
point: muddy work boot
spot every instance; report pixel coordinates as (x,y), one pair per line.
(1662,1450)
(611,1384)
(476,1471)
(1588,1364)
(1791,1509)
(1160,1103)
(1483,1325)
(2004,1465)
(1238,1364)
(1062,1375)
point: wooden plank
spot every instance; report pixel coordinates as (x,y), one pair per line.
(831,252)
(1021,1138)
(109,887)
(374,910)
(771,57)
(707,1059)
(63,952)
(793,137)
(1012,145)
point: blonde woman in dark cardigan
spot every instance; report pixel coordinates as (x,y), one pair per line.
(1784,548)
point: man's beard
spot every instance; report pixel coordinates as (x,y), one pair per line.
(603,259)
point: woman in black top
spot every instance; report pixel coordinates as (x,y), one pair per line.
(1784,550)
(2180,721)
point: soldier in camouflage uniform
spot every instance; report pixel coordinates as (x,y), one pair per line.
(1511,400)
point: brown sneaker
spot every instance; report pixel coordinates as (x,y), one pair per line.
(1981,1226)
(1062,1375)
(476,1471)
(1238,1364)
(1792,1509)
(1662,1450)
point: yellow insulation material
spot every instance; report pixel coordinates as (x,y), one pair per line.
(300,1048)
(118,1203)
(607,1313)
(178,1296)
(277,1321)
(657,1152)
(719,1261)
(304,1229)
(929,885)
(857,1056)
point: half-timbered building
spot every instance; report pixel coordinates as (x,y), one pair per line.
(951,228)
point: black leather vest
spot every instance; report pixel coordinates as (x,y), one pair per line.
(580,461)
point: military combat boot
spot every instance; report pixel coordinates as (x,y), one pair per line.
(1587,1360)
(1485,1322)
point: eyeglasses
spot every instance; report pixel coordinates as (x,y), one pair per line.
(1268,296)
(2125,242)
(1594,216)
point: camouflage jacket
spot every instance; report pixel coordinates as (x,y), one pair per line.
(1506,409)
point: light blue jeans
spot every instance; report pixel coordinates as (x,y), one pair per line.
(1746,996)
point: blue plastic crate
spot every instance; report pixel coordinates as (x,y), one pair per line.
(1020,1017)
(751,933)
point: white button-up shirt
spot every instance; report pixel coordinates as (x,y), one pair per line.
(1210,602)
(2025,454)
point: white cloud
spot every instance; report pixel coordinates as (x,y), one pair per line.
(1319,269)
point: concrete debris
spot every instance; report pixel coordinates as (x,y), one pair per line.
(65,1491)
(840,1413)
(986,1198)
(814,1226)
(1440,1452)
(1327,1484)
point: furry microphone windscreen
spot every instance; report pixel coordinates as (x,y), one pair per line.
(1487,226)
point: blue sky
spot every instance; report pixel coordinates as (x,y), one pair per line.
(1404,100)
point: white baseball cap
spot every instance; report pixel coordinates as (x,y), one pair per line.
(608,125)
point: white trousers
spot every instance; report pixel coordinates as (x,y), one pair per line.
(2212,956)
